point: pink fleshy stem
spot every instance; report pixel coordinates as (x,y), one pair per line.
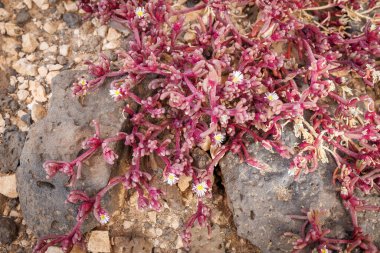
(137,36)
(113,182)
(341,148)
(220,155)
(336,97)
(97,127)
(188,10)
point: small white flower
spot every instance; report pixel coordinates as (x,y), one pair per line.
(344,191)
(200,189)
(219,138)
(115,93)
(82,82)
(271,96)
(140,11)
(104,218)
(224,119)
(237,77)
(171,179)
(324,250)
(292,172)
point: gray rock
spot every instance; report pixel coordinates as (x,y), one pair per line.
(72,20)
(191,3)
(22,17)
(58,137)
(10,150)
(8,230)
(369,220)
(261,203)
(27,119)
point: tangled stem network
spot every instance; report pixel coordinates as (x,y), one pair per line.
(221,80)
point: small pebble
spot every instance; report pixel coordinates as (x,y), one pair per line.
(72,20)
(8,230)
(22,17)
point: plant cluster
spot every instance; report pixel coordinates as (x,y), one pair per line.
(231,72)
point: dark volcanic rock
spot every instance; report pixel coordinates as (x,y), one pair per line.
(58,137)
(261,203)
(22,17)
(72,20)
(10,150)
(8,230)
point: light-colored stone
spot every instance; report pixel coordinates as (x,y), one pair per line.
(24,85)
(51,75)
(28,3)
(184,182)
(29,43)
(24,67)
(42,71)
(111,45)
(54,67)
(102,31)
(43,46)
(113,35)
(70,6)
(42,4)
(50,27)
(179,243)
(38,91)
(127,224)
(4,15)
(159,231)
(99,242)
(22,95)
(38,112)
(53,49)
(152,216)
(54,249)
(13,30)
(64,50)
(8,186)
(31,57)
(10,45)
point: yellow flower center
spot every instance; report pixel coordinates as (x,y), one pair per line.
(139,13)
(171,177)
(218,137)
(200,187)
(235,79)
(270,97)
(117,93)
(82,82)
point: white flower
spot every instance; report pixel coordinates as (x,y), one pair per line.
(115,93)
(344,191)
(140,11)
(104,218)
(219,138)
(237,77)
(271,96)
(292,172)
(200,189)
(171,179)
(224,119)
(82,82)
(324,250)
